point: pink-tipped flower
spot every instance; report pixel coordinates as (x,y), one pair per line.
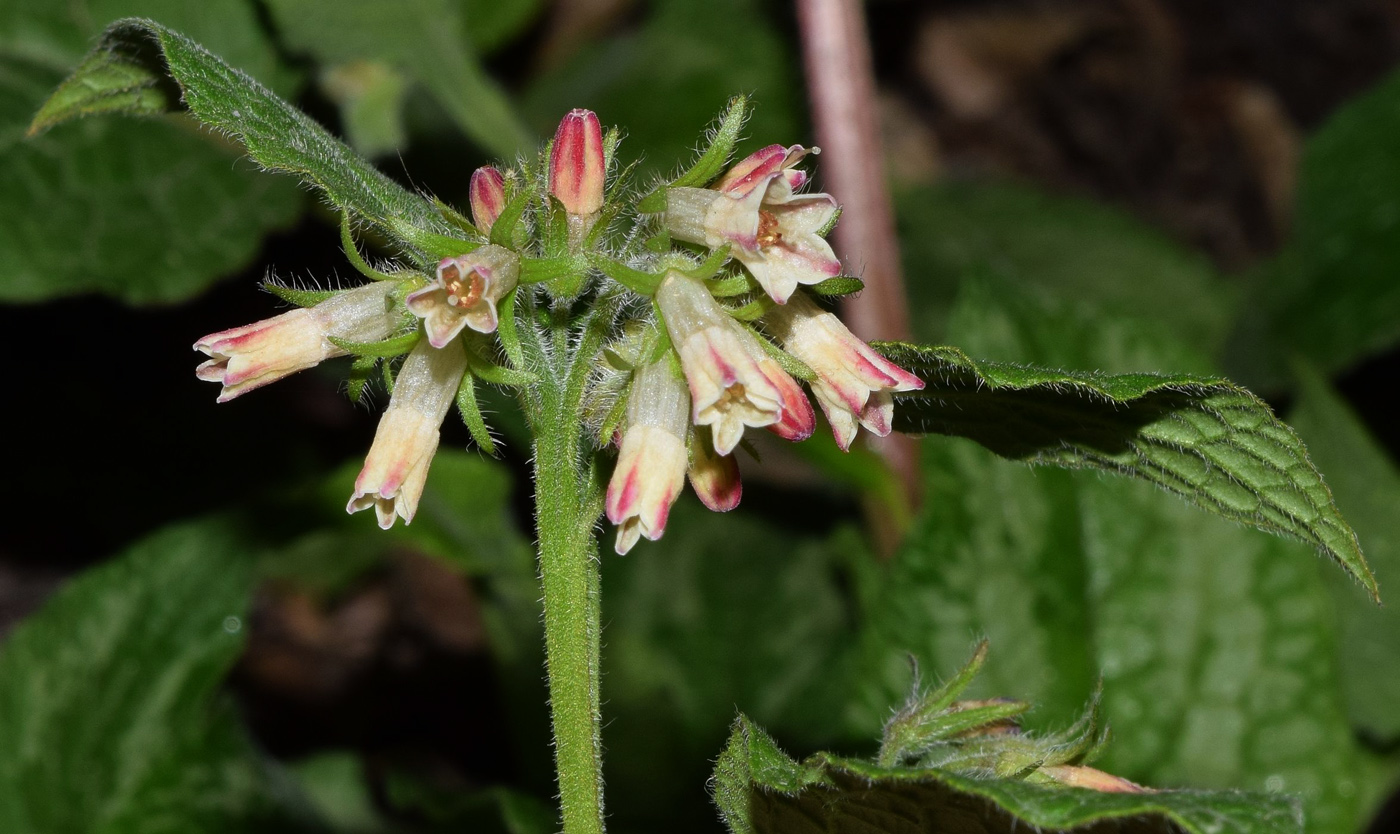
(488,197)
(407,438)
(854,384)
(465,293)
(714,477)
(250,357)
(651,466)
(733,382)
(773,231)
(576,169)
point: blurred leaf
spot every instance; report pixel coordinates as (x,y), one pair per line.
(760,789)
(138,54)
(1069,250)
(665,82)
(713,616)
(108,715)
(146,211)
(492,24)
(1367,487)
(1331,295)
(1205,439)
(371,97)
(335,785)
(425,39)
(481,812)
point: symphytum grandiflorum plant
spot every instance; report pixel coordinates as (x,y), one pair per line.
(644,327)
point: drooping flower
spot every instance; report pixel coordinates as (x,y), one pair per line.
(854,384)
(733,383)
(249,357)
(407,438)
(651,465)
(773,231)
(465,293)
(577,170)
(488,197)
(714,477)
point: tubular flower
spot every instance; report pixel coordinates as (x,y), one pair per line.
(714,477)
(465,293)
(488,197)
(252,356)
(733,383)
(407,438)
(854,383)
(774,232)
(651,465)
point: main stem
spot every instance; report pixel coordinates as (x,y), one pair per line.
(566,507)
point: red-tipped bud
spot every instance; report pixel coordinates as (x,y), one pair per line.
(488,197)
(576,167)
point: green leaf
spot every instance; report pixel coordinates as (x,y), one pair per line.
(1205,439)
(146,212)
(492,23)
(1367,487)
(1054,248)
(759,789)
(1331,295)
(691,56)
(422,37)
(109,720)
(275,134)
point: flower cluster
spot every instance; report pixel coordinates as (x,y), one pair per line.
(717,333)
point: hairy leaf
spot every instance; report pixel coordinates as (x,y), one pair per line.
(147,211)
(1206,439)
(108,721)
(761,790)
(141,52)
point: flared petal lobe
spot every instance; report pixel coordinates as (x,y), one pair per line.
(464,293)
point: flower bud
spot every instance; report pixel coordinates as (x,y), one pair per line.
(854,383)
(464,293)
(407,438)
(733,383)
(576,169)
(488,197)
(714,477)
(252,356)
(774,232)
(651,465)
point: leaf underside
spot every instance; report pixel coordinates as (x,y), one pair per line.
(1205,439)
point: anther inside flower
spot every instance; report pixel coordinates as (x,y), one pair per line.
(775,232)
(699,377)
(464,293)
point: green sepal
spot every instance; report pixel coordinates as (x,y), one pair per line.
(352,252)
(611,140)
(387,372)
(554,238)
(505,329)
(299,298)
(539,270)
(838,286)
(383,349)
(360,370)
(432,244)
(794,366)
(488,371)
(659,243)
(456,218)
(710,163)
(711,266)
(613,421)
(754,310)
(503,230)
(470,411)
(642,283)
(830,224)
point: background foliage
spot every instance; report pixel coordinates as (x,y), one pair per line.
(270,665)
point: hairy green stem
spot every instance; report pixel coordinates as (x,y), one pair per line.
(567,503)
